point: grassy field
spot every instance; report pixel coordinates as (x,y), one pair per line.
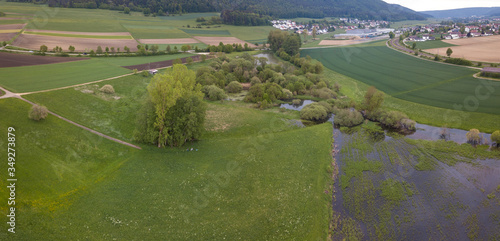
(431,44)
(274,177)
(406,77)
(56,164)
(43,77)
(79,35)
(315,43)
(424,114)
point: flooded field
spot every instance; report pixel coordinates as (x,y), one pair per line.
(396,188)
(422,186)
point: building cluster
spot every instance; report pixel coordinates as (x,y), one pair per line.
(455,31)
(346,24)
(297,28)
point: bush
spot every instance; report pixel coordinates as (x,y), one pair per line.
(314,112)
(255,80)
(234,87)
(324,93)
(296,102)
(459,61)
(145,73)
(349,118)
(473,137)
(213,93)
(38,112)
(495,137)
(287,94)
(107,89)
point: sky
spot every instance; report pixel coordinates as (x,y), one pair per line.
(425,5)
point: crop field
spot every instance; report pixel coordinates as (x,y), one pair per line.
(16,60)
(432,44)
(43,77)
(32,41)
(483,49)
(224,40)
(112,35)
(408,78)
(50,76)
(169,41)
(402,189)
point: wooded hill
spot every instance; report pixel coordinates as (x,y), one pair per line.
(362,9)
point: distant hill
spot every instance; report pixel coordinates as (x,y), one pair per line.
(464,12)
(362,9)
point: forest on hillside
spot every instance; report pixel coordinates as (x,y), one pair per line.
(362,9)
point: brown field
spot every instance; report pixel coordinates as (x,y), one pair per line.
(80,33)
(339,42)
(6,36)
(484,49)
(224,40)
(31,41)
(15,60)
(11,26)
(169,41)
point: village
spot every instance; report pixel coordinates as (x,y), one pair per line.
(342,23)
(452,30)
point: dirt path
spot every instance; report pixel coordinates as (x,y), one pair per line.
(9,94)
(71,86)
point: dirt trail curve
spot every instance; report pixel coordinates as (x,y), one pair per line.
(9,94)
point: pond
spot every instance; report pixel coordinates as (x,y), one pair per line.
(269,56)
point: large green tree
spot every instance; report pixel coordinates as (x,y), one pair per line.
(373,99)
(174,112)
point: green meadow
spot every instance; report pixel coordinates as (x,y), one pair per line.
(431,44)
(408,78)
(253,175)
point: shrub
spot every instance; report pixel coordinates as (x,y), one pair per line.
(296,102)
(459,61)
(107,89)
(213,93)
(473,136)
(145,73)
(328,106)
(394,119)
(287,94)
(495,137)
(234,87)
(38,112)
(324,93)
(314,112)
(255,80)
(346,117)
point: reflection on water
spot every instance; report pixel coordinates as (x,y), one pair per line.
(296,107)
(269,56)
(423,132)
